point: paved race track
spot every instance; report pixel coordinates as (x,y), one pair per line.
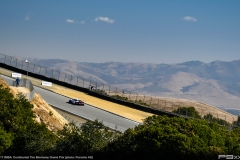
(86,111)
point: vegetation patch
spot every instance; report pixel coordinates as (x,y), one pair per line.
(159,137)
(192,113)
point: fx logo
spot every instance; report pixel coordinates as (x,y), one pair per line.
(228,157)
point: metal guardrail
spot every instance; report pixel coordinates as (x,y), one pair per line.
(108,90)
(23,83)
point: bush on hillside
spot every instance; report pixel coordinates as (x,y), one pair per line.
(133,101)
(5,140)
(90,138)
(188,111)
(142,103)
(164,137)
(100,91)
(209,117)
(158,137)
(20,134)
(236,123)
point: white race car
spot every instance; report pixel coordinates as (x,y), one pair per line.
(76,101)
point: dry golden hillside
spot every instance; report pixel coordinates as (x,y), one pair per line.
(44,113)
(170,104)
(136,115)
(5,85)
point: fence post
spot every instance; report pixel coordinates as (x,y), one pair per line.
(10,60)
(122,92)
(5,59)
(59,75)
(172,106)
(46,73)
(16,62)
(33,68)
(40,69)
(151,102)
(65,77)
(165,105)
(27,69)
(22,64)
(129,95)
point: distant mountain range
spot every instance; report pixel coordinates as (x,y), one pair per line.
(216,83)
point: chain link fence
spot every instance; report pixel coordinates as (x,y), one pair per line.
(162,104)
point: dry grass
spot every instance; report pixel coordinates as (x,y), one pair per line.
(121,110)
(44,113)
(169,104)
(3,83)
(16,90)
(165,103)
(71,117)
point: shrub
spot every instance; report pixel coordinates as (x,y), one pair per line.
(188,111)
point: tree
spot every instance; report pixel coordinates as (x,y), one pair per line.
(90,138)
(188,111)
(236,124)
(5,140)
(23,135)
(164,137)
(209,117)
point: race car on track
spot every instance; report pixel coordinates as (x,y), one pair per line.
(76,101)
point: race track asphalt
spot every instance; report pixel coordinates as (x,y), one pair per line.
(86,111)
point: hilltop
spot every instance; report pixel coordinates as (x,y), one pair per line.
(215,83)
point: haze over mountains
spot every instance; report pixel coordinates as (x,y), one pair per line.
(216,83)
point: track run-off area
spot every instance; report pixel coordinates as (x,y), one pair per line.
(112,115)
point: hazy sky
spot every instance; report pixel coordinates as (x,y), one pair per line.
(149,31)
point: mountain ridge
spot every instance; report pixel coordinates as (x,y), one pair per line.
(214,79)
